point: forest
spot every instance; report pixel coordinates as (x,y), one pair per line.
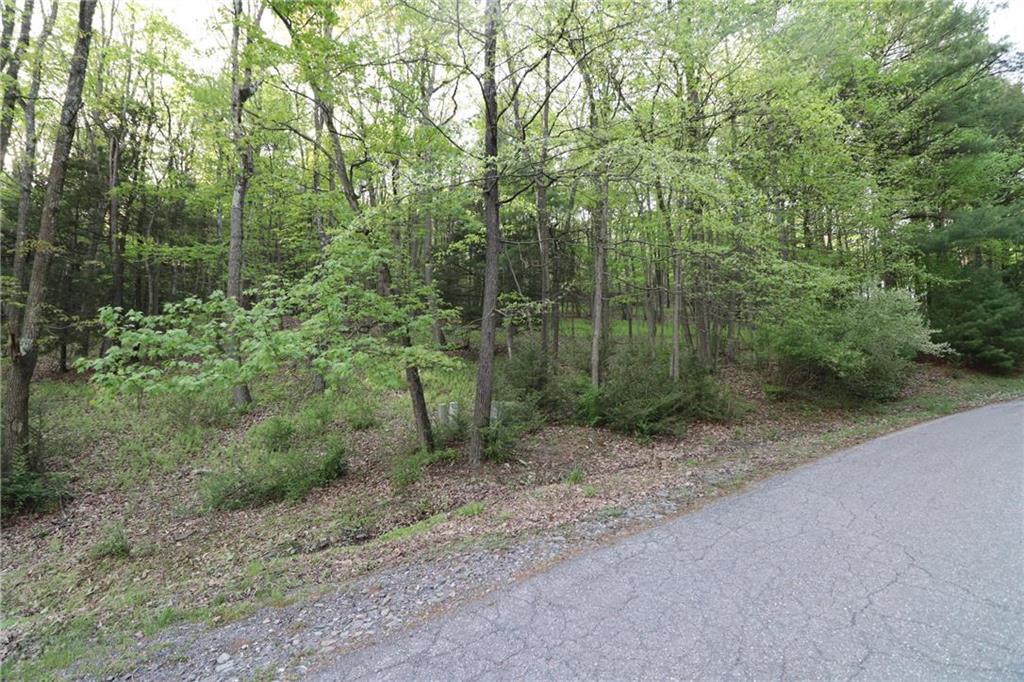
(343,251)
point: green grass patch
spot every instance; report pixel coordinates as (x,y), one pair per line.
(407,470)
(113,545)
(265,477)
(575,475)
(470,509)
(415,529)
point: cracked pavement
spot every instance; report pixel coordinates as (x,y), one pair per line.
(902,558)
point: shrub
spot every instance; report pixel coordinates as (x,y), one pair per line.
(470,509)
(317,415)
(862,346)
(501,436)
(114,545)
(530,377)
(639,397)
(274,434)
(982,319)
(409,469)
(266,477)
(359,413)
(26,491)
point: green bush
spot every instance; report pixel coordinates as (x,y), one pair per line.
(267,476)
(407,470)
(114,545)
(514,419)
(274,434)
(316,416)
(24,491)
(639,397)
(861,346)
(359,413)
(529,377)
(982,319)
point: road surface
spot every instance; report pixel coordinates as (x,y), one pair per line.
(902,558)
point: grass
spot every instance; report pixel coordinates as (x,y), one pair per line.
(417,528)
(408,469)
(470,509)
(263,477)
(575,476)
(114,545)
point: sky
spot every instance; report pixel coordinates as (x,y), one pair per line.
(193,18)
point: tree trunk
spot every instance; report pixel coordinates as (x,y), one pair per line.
(600,219)
(13,65)
(116,251)
(27,167)
(23,347)
(239,93)
(488,322)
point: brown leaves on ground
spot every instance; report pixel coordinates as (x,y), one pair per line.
(184,558)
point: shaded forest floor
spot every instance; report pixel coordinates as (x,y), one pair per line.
(134,552)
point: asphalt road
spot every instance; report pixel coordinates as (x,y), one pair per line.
(902,558)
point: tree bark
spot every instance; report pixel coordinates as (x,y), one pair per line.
(13,65)
(27,166)
(597,338)
(23,348)
(488,322)
(240,92)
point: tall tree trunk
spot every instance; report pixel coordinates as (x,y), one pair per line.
(488,322)
(23,347)
(240,92)
(543,226)
(116,251)
(597,339)
(13,65)
(27,166)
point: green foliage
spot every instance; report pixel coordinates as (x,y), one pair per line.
(982,319)
(502,435)
(359,412)
(114,545)
(575,476)
(530,378)
(470,509)
(407,470)
(317,415)
(415,529)
(263,477)
(24,491)
(191,347)
(639,397)
(274,434)
(860,345)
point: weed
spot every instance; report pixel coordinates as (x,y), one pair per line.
(114,545)
(315,417)
(470,509)
(589,491)
(272,477)
(274,434)
(409,469)
(611,512)
(359,413)
(575,476)
(29,491)
(415,529)
(406,471)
